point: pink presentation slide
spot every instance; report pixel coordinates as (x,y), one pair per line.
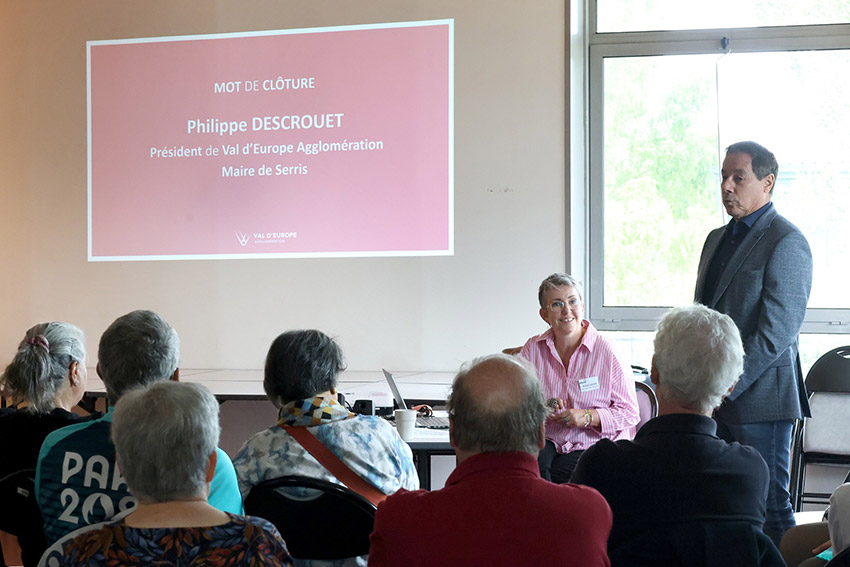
(297,143)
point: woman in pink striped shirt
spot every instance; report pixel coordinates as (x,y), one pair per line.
(591,394)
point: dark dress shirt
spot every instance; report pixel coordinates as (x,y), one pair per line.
(735,233)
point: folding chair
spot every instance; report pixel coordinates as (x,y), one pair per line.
(824,438)
(317,519)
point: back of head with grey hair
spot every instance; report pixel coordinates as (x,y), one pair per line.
(557,280)
(489,428)
(41,365)
(301,364)
(137,349)
(163,437)
(698,356)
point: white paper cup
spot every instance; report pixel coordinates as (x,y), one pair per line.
(405,421)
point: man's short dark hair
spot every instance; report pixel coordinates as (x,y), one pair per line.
(764,162)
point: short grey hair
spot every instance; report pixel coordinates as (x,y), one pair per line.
(40,367)
(301,364)
(478,426)
(164,436)
(698,355)
(137,349)
(555,281)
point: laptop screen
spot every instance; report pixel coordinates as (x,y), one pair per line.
(396,394)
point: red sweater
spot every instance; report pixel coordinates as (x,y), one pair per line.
(494,510)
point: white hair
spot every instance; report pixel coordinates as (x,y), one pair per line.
(164,436)
(698,356)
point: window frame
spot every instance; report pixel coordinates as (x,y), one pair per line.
(588,50)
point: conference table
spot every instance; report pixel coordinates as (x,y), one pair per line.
(430,388)
(416,387)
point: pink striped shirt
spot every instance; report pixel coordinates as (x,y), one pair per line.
(594,367)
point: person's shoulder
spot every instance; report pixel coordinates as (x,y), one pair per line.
(562,499)
(715,232)
(602,456)
(255,521)
(253,527)
(374,424)
(260,441)
(62,435)
(407,504)
(538,338)
(781,226)
(748,457)
(532,347)
(101,535)
(580,494)
(263,536)
(599,341)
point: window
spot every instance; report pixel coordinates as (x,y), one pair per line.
(661,107)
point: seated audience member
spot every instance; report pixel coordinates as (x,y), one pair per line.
(166,438)
(77,481)
(839,525)
(300,380)
(495,509)
(679,494)
(591,394)
(45,381)
(816,544)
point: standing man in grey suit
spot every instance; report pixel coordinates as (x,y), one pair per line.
(758,270)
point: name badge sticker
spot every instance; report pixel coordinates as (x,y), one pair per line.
(589,384)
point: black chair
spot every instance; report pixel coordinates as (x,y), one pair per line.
(20,516)
(317,519)
(824,438)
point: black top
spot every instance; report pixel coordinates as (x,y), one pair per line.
(23,432)
(675,473)
(21,436)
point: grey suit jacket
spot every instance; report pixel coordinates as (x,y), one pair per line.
(764,289)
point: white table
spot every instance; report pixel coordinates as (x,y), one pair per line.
(226,384)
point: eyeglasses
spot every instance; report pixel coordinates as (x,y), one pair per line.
(559,305)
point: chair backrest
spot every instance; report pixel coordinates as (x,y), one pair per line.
(317,519)
(647,403)
(831,372)
(828,430)
(19,513)
(823,438)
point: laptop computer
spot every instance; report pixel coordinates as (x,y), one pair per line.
(429,422)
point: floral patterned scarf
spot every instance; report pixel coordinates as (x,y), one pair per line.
(312,411)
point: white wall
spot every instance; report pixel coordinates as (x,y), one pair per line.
(402,313)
